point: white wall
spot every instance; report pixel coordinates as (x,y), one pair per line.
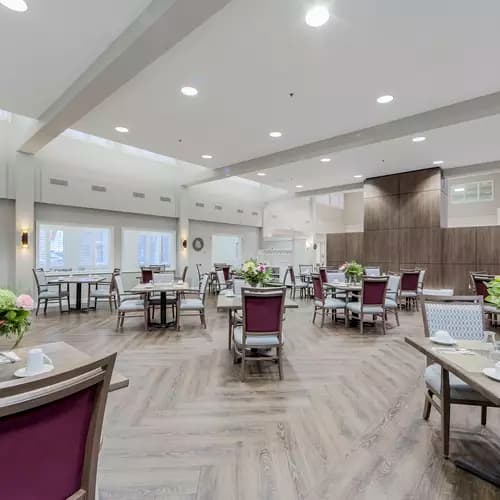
(354,212)
(116,220)
(250,242)
(7,243)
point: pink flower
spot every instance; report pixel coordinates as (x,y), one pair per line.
(24,302)
(261,268)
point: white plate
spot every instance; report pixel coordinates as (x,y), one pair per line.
(492,373)
(21,373)
(443,342)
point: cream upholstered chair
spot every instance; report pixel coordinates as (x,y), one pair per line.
(296,284)
(392,294)
(222,285)
(194,305)
(49,293)
(155,301)
(371,300)
(52,425)
(131,307)
(463,318)
(323,303)
(107,293)
(372,271)
(262,327)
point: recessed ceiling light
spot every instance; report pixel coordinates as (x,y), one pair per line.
(189,91)
(358,176)
(384,99)
(262,174)
(438,162)
(275,134)
(459,190)
(325,160)
(299,186)
(122,130)
(207,157)
(16,5)
(317,16)
(419,138)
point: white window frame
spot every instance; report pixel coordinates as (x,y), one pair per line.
(97,268)
(464,185)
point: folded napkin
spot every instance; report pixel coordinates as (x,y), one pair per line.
(8,357)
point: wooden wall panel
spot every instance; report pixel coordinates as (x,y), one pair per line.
(420,209)
(456,276)
(354,246)
(420,245)
(381,246)
(420,180)
(335,248)
(381,186)
(488,245)
(459,245)
(381,212)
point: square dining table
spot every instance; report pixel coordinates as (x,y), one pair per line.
(78,281)
(468,368)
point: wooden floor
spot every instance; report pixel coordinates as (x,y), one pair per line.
(344,424)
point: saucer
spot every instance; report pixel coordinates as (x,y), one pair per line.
(21,373)
(437,340)
(492,373)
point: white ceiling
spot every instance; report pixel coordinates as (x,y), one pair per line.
(459,145)
(44,50)
(247,58)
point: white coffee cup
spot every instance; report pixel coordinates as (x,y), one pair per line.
(442,335)
(35,361)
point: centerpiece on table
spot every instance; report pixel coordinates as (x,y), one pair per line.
(255,274)
(493,287)
(14,315)
(353,270)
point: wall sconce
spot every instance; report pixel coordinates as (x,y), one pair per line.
(184,243)
(24,239)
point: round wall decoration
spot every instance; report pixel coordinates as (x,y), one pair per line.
(198,244)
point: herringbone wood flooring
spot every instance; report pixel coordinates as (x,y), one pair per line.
(344,424)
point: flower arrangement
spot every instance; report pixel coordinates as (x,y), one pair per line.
(14,314)
(353,270)
(493,287)
(254,273)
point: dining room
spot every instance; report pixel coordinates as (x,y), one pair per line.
(249,250)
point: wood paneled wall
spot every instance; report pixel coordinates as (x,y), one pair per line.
(404,229)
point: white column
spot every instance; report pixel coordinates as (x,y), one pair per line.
(183,233)
(23,171)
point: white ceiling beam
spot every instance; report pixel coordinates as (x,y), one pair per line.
(473,109)
(163,24)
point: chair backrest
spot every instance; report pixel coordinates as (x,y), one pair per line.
(238,284)
(50,431)
(166,277)
(305,269)
(184,273)
(291,273)
(372,271)
(40,280)
(337,277)
(461,316)
(118,286)
(323,274)
(479,283)
(226,270)
(319,293)
(421,279)
(393,286)
(263,311)
(374,290)
(275,272)
(198,270)
(203,287)
(409,281)
(146,275)
(221,278)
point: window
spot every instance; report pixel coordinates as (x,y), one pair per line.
(74,247)
(472,192)
(226,249)
(147,248)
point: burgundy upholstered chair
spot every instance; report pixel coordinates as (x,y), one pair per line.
(323,303)
(50,431)
(371,300)
(262,327)
(323,275)
(146,275)
(409,287)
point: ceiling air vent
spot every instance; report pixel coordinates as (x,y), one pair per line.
(240,211)
(99,189)
(138,195)
(58,182)
(218,207)
(199,204)
(255,213)
(165,199)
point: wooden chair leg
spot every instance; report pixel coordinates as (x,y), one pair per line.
(202,318)
(243,363)
(45,306)
(118,321)
(67,300)
(383,324)
(280,361)
(361,324)
(397,316)
(37,307)
(314,315)
(146,319)
(323,317)
(110,304)
(445,411)
(427,406)
(484,414)
(60,305)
